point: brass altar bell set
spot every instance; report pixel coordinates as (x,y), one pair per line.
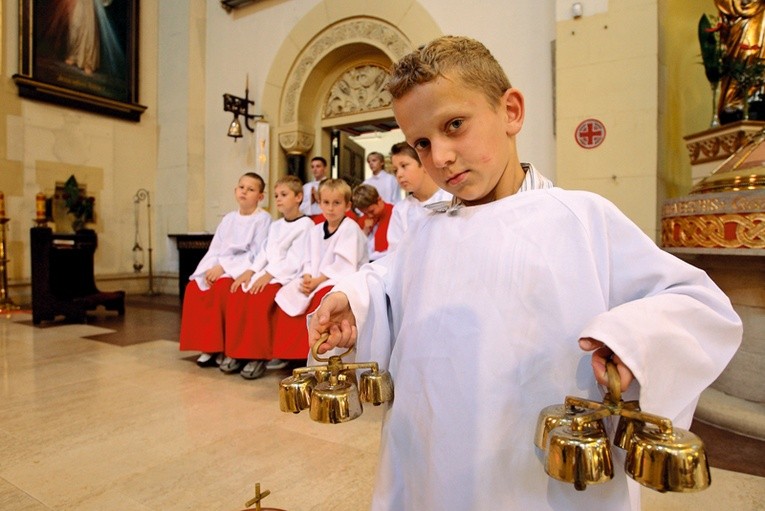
(577,448)
(331,392)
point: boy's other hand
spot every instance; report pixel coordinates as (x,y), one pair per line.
(602,353)
(214,273)
(333,317)
(260,283)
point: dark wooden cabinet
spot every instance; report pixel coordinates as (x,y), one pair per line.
(63,283)
(191,249)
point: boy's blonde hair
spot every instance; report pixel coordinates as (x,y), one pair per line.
(337,185)
(257,178)
(462,57)
(364,196)
(292,182)
(404,148)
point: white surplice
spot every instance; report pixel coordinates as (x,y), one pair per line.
(234,244)
(307,207)
(386,185)
(283,253)
(484,308)
(408,211)
(340,254)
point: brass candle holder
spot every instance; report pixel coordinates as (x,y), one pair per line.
(659,456)
(331,392)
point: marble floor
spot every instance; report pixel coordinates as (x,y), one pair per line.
(109,415)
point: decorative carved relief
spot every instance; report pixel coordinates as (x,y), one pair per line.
(373,32)
(719,143)
(360,89)
(296,142)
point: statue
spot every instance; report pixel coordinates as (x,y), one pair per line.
(742,37)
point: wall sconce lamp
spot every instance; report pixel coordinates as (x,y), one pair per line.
(239,106)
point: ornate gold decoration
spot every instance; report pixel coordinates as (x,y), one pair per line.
(730,220)
(360,89)
(374,32)
(714,231)
(719,143)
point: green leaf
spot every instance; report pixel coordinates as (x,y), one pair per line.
(711,53)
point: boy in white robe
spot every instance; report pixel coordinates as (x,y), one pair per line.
(236,238)
(492,301)
(421,191)
(335,248)
(251,306)
(386,183)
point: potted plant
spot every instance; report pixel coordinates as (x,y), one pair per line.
(78,205)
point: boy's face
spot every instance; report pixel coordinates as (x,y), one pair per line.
(409,172)
(374,211)
(466,145)
(286,200)
(333,204)
(375,163)
(318,169)
(248,193)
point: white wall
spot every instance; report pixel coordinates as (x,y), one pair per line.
(246,41)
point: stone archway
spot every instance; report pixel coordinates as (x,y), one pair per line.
(299,84)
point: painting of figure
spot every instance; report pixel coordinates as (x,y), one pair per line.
(83,45)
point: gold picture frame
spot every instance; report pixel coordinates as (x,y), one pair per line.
(80,54)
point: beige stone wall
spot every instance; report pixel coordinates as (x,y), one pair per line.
(606,68)
(42,143)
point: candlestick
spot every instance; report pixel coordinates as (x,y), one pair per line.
(40,206)
(2,205)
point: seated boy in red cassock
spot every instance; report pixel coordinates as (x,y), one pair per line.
(237,237)
(375,218)
(334,248)
(249,314)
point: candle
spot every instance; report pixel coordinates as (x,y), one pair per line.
(40,206)
(2,205)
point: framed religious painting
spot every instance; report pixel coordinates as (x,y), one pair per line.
(81,54)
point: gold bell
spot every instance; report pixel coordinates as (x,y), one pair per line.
(335,401)
(580,456)
(376,387)
(626,427)
(553,416)
(295,392)
(673,460)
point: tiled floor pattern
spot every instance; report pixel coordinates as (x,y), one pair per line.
(111,416)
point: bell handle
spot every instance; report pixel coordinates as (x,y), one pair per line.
(577,423)
(315,349)
(664,424)
(614,382)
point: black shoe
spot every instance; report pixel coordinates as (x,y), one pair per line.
(208,360)
(254,369)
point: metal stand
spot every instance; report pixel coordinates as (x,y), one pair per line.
(140,195)
(6,304)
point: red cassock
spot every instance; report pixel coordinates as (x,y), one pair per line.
(291,332)
(203,316)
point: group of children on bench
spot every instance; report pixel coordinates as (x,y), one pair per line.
(245,304)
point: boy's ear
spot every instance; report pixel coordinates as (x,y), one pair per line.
(512,103)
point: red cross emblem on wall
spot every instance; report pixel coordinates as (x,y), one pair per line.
(590,133)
